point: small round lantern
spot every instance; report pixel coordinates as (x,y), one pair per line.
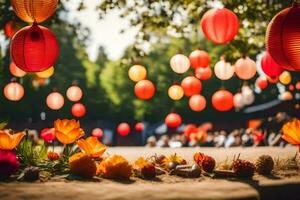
(238,101)
(173,120)
(11,28)
(297,86)
(78,110)
(261,83)
(46,74)
(16,71)
(144,89)
(248,95)
(222,100)
(197,103)
(220,25)
(123,129)
(180,63)
(139,127)
(286,96)
(34,10)
(55,101)
(191,85)
(74,93)
(269,66)
(245,68)
(97,132)
(283,38)
(137,73)
(203,73)
(175,92)
(199,58)
(223,70)
(14,91)
(291,87)
(285,78)
(34,48)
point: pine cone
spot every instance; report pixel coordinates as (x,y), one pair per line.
(264,165)
(243,168)
(208,164)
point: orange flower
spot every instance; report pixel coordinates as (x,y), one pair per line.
(67,131)
(92,146)
(291,132)
(83,165)
(10,141)
(52,156)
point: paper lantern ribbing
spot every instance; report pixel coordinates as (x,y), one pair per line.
(139,127)
(224,70)
(269,66)
(55,101)
(46,74)
(173,120)
(78,110)
(238,101)
(11,28)
(175,92)
(245,68)
(203,73)
(283,38)
(197,103)
(261,83)
(220,25)
(34,49)
(180,63)
(137,73)
(144,89)
(199,58)
(14,91)
(191,85)
(74,93)
(123,129)
(97,132)
(222,100)
(34,10)
(285,78)
(16,71)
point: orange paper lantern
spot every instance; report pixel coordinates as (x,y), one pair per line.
(137,73)
(173,120)
(78,110)
(203,73)
(245,68)
(34,10)
(222,100)
(286,96)
(297,86)
(197,103)
(199,58)
(175,92)
(144,89)
(123,129)
(55,101)
(16,71)
(285,78)
(46,74)
(14,91)
(74,93)
(191,85)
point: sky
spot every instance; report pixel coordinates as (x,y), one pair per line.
(105,32)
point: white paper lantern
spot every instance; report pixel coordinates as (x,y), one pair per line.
(223,70)
(248,95)
(238,100)
(180,63)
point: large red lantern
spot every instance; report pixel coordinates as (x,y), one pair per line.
(144,89)
(55,101)
(191,85)
(203,73)
(197,103)
(14,91)
(78,110)
(269,66)
(220,25)
(261,83)
(245,68)
(139,127)
(173,120)
(283,38)
(222,100)
(74,93)
(199,58)
(97,132)
(123,129)
(11,28)
(34,48)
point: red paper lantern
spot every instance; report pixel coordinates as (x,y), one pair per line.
(189,129)
(14,91)
(48,134)
(11,28)
(191,85)
(34,48)
(203,73)
(139,127)
(199,58)
(97,132)
(197,103)
(74,93)
(283,38)
(261,83)
(173,120)
(291,87)
(144,89)
(78,110)
(123,129)
(222,100)
(55,101)
(245,68)
(220,25)
(269,66)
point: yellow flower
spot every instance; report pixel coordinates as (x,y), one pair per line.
(140,163)
(291,132)
(10,141)
(174,158)
(67,131)
(83,165)
(92,146)
(114,167)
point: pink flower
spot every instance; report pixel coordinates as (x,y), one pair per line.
(48,134)
(9,163)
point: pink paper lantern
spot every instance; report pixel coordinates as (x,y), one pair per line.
(55,101)
(74,93)
(14,91)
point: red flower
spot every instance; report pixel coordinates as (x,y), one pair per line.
(48,134)
(9,163)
